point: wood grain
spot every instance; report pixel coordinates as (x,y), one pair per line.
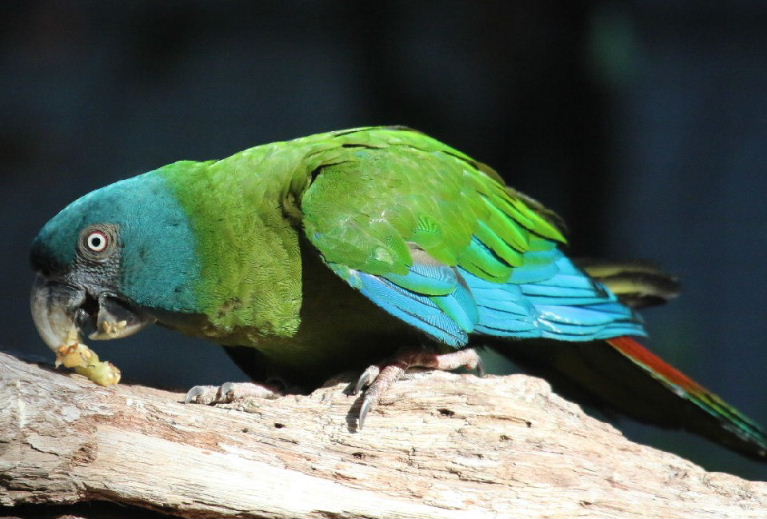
(439,446)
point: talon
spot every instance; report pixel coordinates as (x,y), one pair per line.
(480,367)
(367,378)
(364,410)
(384,379)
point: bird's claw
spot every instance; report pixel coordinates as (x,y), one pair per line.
(205,395)
(378,379)
(367,403)
(367,378)
(479,367)
(227,393)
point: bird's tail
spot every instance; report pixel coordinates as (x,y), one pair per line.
(720,421)
(638,283)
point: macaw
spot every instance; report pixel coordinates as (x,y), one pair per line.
(375,249)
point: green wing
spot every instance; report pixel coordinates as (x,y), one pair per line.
(406,220)
(386,193)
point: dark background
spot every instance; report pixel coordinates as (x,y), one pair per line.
(643,123)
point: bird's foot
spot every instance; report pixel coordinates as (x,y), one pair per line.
(229,392)
(378,378)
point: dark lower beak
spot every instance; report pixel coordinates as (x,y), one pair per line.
(63,313)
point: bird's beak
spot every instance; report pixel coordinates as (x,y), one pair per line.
(64,313)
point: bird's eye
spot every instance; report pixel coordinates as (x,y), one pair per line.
(97,241)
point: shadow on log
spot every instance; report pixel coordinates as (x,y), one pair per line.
(438,446)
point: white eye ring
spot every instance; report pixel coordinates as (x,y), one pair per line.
(97,241)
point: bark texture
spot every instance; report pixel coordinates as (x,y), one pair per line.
(439,446)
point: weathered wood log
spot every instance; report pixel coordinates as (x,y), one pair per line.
(439,446)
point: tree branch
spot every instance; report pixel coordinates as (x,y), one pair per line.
(439,446)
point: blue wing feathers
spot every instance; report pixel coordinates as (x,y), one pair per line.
(464,316)
(520,307)
(579,315)
(547,297)
(417,310)
(568,306)
(427,279)
(538,266)
(490,318)
(533,274)
(546,290)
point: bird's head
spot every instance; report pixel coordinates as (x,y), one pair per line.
(110,260)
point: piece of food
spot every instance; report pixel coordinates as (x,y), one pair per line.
(86,362)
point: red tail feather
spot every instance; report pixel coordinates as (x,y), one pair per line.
(635,350)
